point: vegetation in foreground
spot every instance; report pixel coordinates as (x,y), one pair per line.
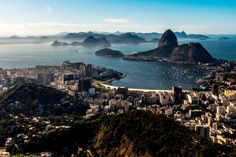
(135,133)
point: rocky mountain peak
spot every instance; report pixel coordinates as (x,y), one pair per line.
(168,39)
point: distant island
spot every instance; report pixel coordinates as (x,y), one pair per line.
(88,42)
(224,38)
(109,53)
(169,50)
(57,43)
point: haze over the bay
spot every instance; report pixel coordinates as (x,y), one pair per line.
(29,17)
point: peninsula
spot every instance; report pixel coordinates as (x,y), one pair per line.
(169,50)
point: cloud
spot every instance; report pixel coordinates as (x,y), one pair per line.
(48,8)
(108,25)
(54,28)
(116,21)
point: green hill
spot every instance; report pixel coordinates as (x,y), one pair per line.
(31,99)
(133,134)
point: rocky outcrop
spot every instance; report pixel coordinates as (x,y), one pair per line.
(168,39)
(109,53)
(192,52)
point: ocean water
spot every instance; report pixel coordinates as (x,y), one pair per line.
(150,75)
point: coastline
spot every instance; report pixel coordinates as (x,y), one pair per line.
(108,83)
(164,60)
(107,86)
(210,66)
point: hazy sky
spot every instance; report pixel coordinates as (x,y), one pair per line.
(54,16)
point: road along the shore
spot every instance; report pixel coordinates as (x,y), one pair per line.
(106,86)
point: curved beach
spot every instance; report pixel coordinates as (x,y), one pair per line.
(106,86)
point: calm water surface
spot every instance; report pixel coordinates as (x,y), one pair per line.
(150,75)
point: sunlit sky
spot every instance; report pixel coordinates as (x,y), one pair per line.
(35,17)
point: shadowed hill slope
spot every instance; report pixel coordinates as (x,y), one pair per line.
(134,134)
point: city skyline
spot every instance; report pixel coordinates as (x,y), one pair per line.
(28,17)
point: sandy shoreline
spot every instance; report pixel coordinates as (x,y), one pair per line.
(106,86)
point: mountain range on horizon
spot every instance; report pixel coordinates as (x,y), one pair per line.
(167,49)
(101,41)
(83,35)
